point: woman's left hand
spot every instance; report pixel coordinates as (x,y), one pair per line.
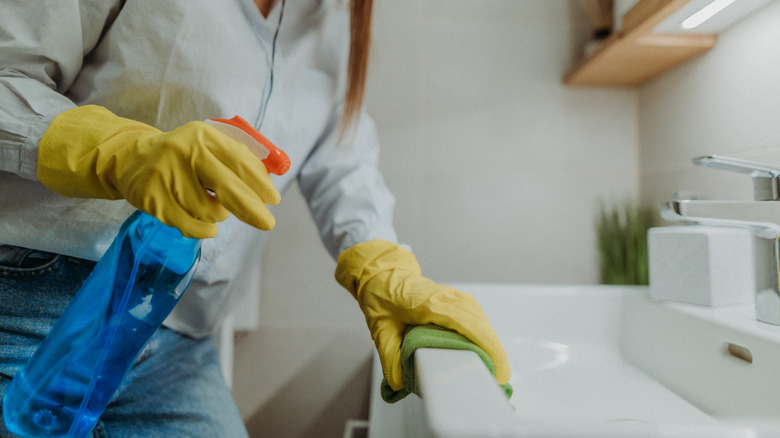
(388,284)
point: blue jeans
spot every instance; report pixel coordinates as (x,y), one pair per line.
(174,389)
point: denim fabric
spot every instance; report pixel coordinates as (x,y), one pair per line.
(175,388)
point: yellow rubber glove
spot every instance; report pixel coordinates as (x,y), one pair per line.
(89,152)
(386,280)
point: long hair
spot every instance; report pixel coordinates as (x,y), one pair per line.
(360,40)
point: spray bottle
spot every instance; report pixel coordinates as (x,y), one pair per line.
(70,379)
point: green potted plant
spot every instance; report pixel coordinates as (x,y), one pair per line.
(621,233)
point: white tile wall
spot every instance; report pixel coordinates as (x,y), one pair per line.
(509,163)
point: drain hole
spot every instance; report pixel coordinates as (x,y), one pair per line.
(739,352)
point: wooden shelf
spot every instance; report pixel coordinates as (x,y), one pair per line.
(635,54)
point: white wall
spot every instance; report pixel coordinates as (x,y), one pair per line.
(497,168)
(496,165)
(725,102)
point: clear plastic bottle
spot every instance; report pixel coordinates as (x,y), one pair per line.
(71,378)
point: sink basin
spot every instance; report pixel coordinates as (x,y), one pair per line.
(600,361)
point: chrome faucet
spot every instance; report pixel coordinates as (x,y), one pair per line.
(762,216)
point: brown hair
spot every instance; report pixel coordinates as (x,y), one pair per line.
(360,40)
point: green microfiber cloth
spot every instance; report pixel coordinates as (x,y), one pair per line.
(430,336)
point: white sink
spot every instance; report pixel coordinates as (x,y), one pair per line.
(599,361)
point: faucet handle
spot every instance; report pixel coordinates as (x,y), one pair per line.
(766,179)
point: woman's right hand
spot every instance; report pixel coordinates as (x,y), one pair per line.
(89,152)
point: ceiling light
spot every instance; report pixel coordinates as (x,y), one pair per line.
(705,13)
(708,16)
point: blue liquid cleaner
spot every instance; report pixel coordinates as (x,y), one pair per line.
(71,378)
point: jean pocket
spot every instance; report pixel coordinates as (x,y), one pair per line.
(16,261)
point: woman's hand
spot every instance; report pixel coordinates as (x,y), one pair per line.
(387,282)
(88,152)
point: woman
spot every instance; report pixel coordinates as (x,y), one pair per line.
(97,100)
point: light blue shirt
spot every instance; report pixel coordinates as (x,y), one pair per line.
(165,64)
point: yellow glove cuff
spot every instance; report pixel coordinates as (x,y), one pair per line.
(78,146)
(362,262)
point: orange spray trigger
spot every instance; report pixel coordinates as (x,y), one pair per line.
(275,160)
